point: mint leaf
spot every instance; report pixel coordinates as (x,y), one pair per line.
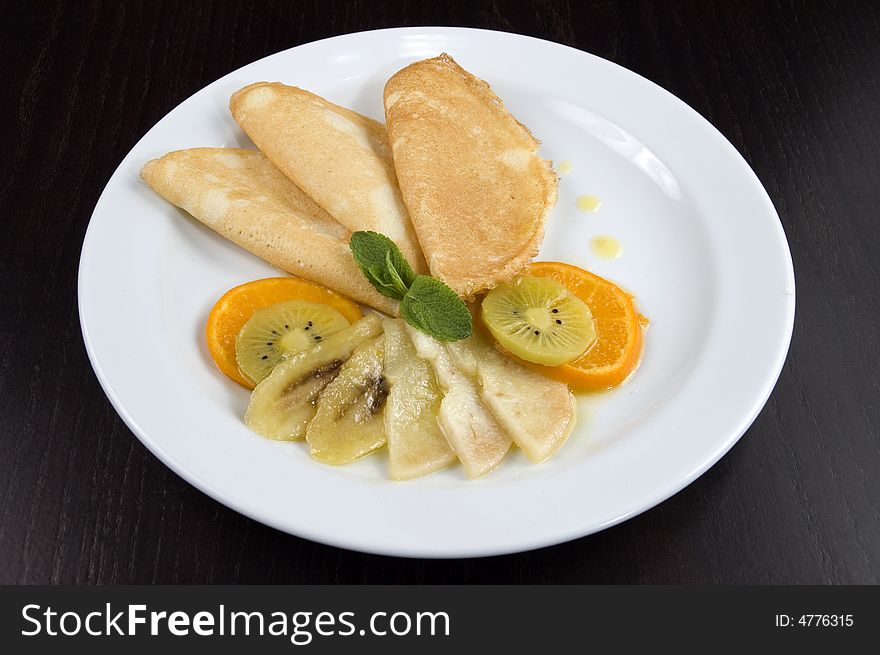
(435,309)
(399,284)
(425,303)
(382,263)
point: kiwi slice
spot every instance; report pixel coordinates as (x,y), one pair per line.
(283,329)
(539,320)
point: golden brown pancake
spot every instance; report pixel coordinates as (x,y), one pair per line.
(340,158)
(242,196)
(476,190)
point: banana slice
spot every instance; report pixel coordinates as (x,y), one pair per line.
(416,445)
(539,413)
(470,428)
(282,405)
(349,422)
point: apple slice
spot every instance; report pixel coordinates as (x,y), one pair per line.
(470,428)
(539,413)
(416,445)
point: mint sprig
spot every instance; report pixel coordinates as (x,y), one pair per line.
(426,303)
(382,263)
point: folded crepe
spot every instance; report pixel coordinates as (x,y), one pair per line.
(476,190)
(340,158)
(243,197)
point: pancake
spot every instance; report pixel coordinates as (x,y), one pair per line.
(476,190)
(341,159)
(242,196)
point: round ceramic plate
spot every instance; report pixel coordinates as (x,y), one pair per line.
(703,251)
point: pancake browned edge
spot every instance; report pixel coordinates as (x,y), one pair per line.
(340,158)
(243,197)
(476,190)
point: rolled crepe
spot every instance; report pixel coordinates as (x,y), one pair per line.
(240,195)
(340,158)
(476,190)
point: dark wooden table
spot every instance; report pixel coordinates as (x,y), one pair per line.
(795,86)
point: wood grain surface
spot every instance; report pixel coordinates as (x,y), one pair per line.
(795,86)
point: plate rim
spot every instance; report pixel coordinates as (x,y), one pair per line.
(476,550)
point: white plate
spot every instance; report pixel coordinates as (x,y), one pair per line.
(704,253)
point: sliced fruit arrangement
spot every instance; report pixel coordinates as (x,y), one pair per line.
(237,306)
(283,404)
(349,389)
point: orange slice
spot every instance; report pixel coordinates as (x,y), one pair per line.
(238,304)
(617,350)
